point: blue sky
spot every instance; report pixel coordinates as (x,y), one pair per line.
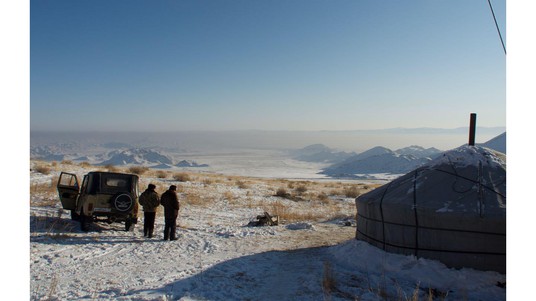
(271,65)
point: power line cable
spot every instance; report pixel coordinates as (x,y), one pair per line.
(496,25)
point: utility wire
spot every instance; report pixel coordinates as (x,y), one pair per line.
(496,25)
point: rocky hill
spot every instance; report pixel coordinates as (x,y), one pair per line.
(319,153)
(136,156)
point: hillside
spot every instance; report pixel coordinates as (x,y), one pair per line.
(379,160)
(319,153)
(136,156)
(310,255)
(498,143)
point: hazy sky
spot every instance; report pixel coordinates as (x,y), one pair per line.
(272,65)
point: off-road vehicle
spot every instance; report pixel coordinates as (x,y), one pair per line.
(103,196)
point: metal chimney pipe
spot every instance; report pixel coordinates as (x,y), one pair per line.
(472,129)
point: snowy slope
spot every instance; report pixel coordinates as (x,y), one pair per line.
(376,160)
(136,156)
(190,163)
(217,257)
(498,143)
(319,153)
(419,151)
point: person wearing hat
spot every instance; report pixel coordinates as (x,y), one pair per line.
(170,201)
(150,201)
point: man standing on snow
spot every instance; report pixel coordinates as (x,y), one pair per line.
(170,201)
(150,201)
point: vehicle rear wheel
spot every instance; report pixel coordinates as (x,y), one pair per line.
(128,224)
(75,216)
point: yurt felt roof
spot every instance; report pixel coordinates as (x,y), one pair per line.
(452,209)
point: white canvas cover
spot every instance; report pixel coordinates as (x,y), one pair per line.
(452,209)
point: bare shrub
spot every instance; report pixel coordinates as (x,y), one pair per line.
(286,212)
(277,208)
(84,164)
(161,174)
(334,192)
(111,168)
(194,199)
(139,170)
(182,177)
(207,181)
(322,197)
(290,185)
(67,162)
(351,192)
(282,192)
(228,196)
(42,169)
(54,163)
(301,189)
(241,184)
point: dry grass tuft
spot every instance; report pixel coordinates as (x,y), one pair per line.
(84,164)
(282,192)
(322,197)
(351,192)
(139,170)
(194,199)
(301,189)
(161,174)
(207,181)
(241,184)
(228,195)
(111,168)
(42,169)
(182,177)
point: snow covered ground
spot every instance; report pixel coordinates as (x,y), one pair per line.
(218,257)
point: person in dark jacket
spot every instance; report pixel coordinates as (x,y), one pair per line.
(150,201)
(170,201)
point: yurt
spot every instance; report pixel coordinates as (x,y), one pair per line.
(453,210)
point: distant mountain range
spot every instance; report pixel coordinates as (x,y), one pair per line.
(136,156)
(124,156)
(190,163)
(378,160)
(382,160)
(319,153)
(341,164)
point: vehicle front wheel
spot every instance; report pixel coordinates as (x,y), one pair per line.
(85,221)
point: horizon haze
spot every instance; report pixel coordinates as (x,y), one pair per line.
(218,141)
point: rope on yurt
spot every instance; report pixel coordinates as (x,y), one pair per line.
(457,176)
(381,214)
(415,213)
(480,191)
(431,228)
(470,180)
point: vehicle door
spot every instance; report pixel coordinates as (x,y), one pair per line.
(68,190)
